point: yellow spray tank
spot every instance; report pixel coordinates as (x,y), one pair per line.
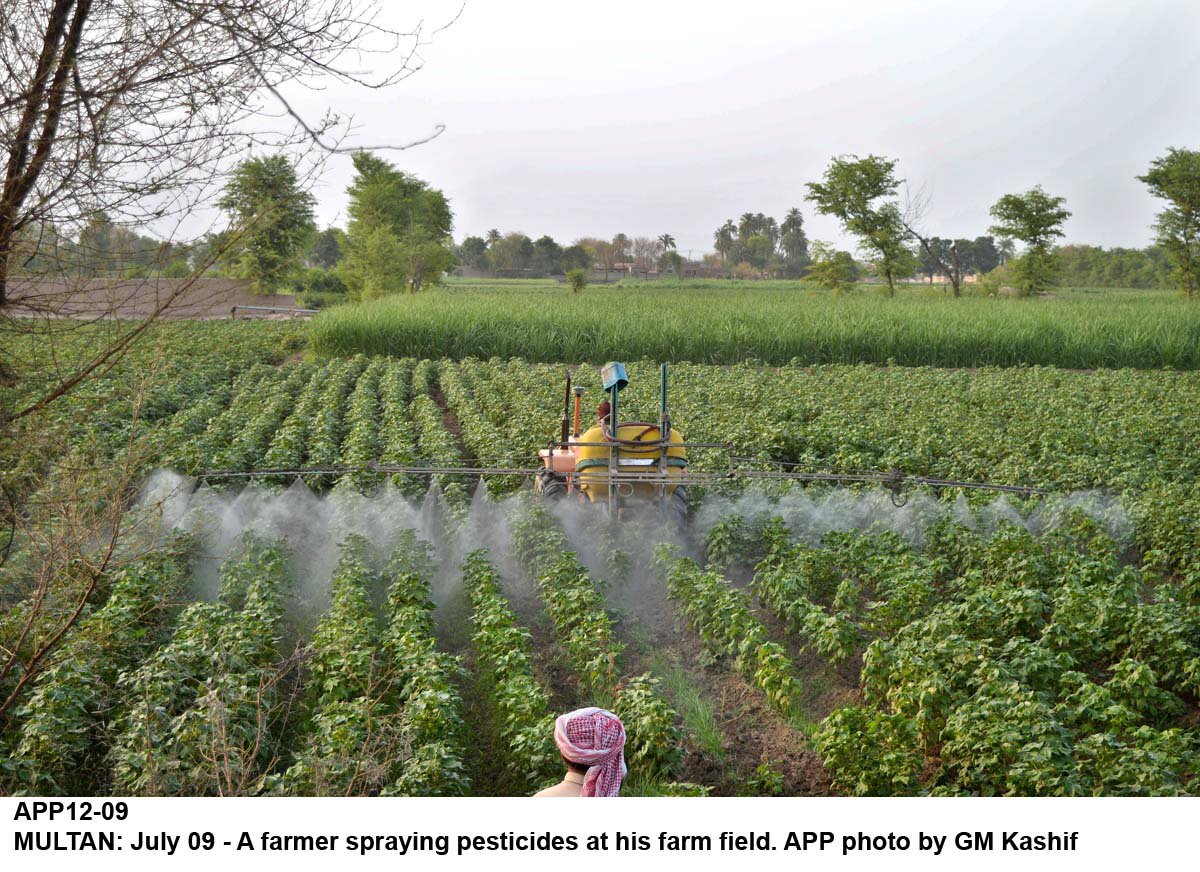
(634,467)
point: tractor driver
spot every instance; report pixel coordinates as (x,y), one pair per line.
(603,413)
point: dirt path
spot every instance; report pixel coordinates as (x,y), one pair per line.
(752,731)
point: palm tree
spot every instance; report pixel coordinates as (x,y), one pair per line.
(792,239)
(1007,249)
(746,225)
(667,241)
(792,221)
(723,238)
(493,236)
(770,229)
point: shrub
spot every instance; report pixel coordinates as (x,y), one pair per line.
(577,279)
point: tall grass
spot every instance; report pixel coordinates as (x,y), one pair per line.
(776,323)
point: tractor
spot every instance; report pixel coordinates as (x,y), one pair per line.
(619,466)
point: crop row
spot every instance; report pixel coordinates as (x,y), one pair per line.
(576,608)
(385,711)
(205,711)
(721,615)
(435,444)
(346,413)
(522,707)
(148,697)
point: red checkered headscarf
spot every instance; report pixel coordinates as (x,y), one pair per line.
(594,738)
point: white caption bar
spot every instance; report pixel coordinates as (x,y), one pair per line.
(370,834)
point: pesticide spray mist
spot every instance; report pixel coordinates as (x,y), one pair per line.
(619,554)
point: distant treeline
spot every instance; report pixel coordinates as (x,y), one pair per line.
(1090,266)
(107,249)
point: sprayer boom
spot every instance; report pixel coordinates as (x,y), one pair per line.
(895,481)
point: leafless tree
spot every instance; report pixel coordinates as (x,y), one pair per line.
(946,259)
(645,253)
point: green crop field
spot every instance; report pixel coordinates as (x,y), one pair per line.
(720,322)
(337,634)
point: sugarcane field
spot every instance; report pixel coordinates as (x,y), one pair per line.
(313,485)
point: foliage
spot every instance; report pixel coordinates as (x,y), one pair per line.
(1091,266)
(832,269)
(65,731)
(473,252)
(273,218)
(326,250)
(1040,665)
(766,780)
(1175,178)
(1035,218)
(525,723)
(576,608)
(721,615)
(763,244)
(857,192)
(436,446)
(576,257)
(205,712)
(386,714)
(577,279)
(318,283)
(398,235)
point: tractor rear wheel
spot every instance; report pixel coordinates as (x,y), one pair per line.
(677,509)
(550,487)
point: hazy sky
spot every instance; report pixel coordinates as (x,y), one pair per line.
(588,119)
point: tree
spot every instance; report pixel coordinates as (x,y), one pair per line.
(1175,178)
(513,253)
(832,269)
(577,279)
(667,242)
(135,107)
(671,261)
(723,238)
(1035,218)
(1007,249)
(645,253)
(770,229)
(576,257)
(793,242)
(493,236)
(932,255)
(852,192)
(274,216)
(94,254)
(620,244)
(326,249)
(599,252)
(547,256)
(473,252)
(759,250)
(399,230)
(1092,266)
(984,256)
